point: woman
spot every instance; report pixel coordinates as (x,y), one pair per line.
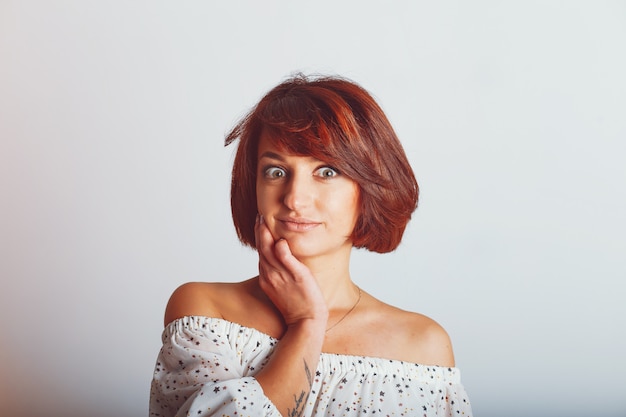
(318,171)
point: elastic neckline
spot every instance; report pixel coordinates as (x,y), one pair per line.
(329,361)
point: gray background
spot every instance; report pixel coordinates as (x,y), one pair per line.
(114,184)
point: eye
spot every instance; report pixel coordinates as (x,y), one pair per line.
(327,172)
(274,172)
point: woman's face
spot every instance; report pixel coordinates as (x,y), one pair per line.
(305,201)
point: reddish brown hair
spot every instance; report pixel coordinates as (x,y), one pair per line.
(334,120)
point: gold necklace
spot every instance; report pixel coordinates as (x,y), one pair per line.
(349,311)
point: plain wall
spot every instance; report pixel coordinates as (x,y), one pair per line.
(114,184)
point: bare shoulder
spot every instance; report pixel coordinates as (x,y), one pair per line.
(417,338)
(191,299)
(240,302)
(201,299)
(378,329)
(426,339)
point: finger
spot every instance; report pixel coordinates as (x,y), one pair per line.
(286,258)
(265,245)
(260,239)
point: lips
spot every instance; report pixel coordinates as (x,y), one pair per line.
(298,225)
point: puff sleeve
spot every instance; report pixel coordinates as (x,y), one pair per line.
(206,367)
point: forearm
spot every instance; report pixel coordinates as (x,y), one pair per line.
(287,378)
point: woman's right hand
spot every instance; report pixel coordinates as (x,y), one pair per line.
(287,282)
(293,289)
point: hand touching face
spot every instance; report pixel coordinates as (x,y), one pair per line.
(288,283)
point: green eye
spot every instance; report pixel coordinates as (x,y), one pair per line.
(274,172)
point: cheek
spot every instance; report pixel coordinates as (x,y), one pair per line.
(348,204)
(266,199)
(260,199)
(355,200)
(356,209)
(261,196)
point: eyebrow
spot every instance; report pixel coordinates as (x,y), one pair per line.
(272,155)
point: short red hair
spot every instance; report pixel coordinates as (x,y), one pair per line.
(337,121)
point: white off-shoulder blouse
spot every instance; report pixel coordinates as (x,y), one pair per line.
(206,367)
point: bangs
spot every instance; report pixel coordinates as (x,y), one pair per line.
(302,125)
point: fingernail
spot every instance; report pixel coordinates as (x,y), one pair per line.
(262,219)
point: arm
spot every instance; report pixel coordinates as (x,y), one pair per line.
(289,284)
(199,371)
(206,367)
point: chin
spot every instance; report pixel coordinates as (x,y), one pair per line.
(303,250)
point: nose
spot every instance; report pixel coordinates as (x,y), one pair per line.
(298,193)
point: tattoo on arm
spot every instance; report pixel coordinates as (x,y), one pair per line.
(299,405)
(300,400)
(309,376)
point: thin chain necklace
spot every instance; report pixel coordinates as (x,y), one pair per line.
(349,311)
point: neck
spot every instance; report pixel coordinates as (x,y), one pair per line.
(332,272)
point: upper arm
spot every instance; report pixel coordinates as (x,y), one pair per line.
(190,299)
